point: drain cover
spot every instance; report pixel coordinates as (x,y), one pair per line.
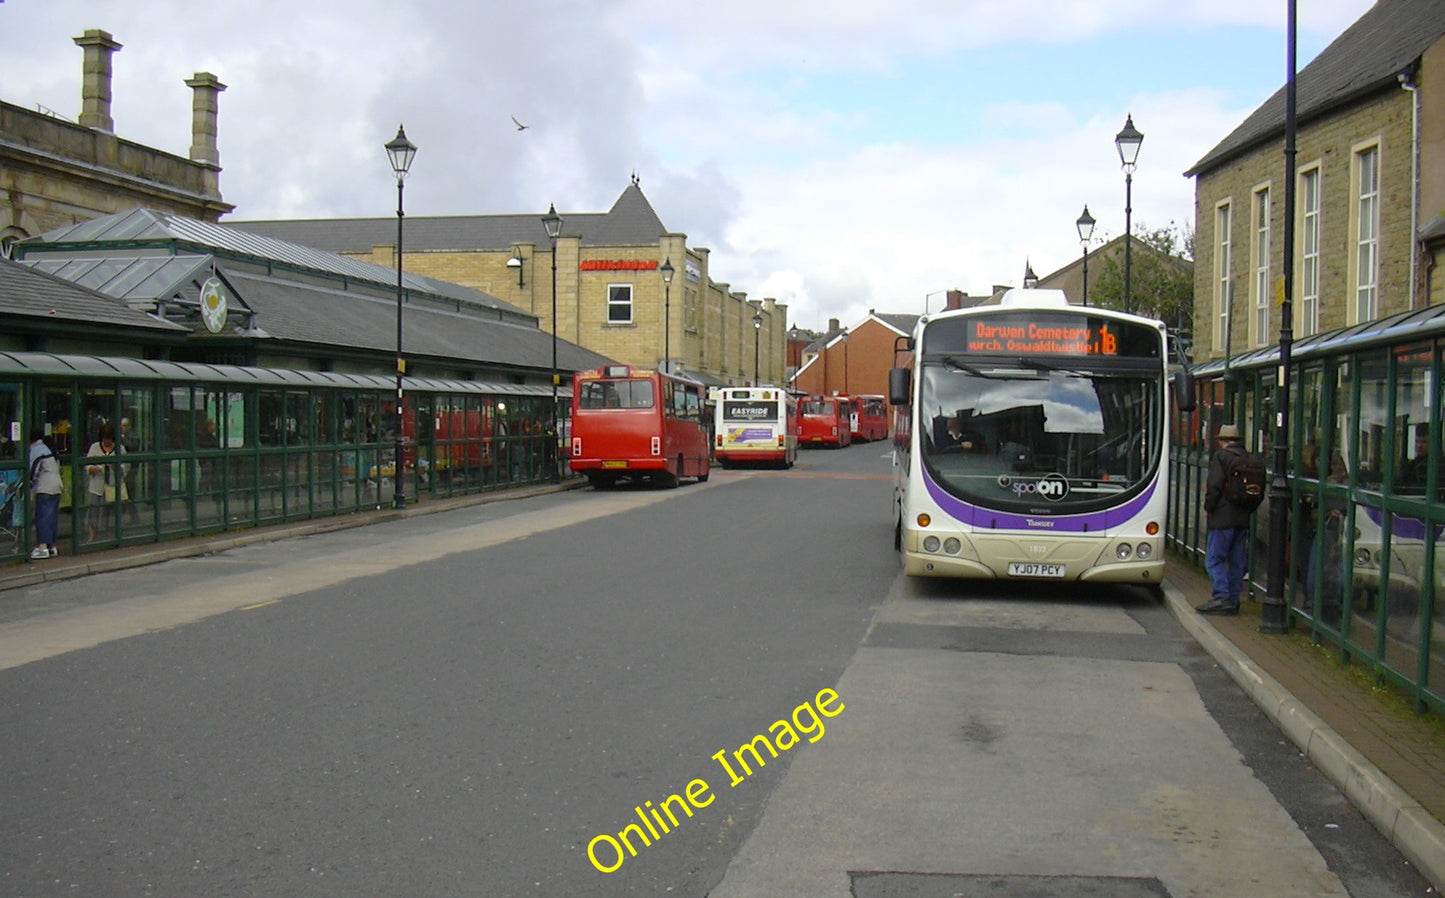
(958,885)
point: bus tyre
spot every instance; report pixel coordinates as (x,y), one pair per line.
(703,472)
(898,536)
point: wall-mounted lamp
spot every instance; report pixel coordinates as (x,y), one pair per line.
(515,263)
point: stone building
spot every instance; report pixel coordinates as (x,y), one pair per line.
(1370,190)
(55,173)
(611,294)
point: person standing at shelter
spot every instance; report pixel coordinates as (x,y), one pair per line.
(1227,547)
(45,484)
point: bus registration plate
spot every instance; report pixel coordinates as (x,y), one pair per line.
(622,463)
(1034,569)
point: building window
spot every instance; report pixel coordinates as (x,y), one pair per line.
(1259,324)
(1223,286)
(689,300)
(619,303)
(1309,318)
(1367,234)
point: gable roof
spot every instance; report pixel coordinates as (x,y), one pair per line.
(1387,40)
(47,299)
(291,295)
(903,324)
(142,229)
(630,222)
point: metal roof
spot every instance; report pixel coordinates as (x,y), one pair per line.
(1415,324)
(42,297)
(141,228)
(52,365)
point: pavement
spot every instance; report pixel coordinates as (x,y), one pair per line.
(1388,761)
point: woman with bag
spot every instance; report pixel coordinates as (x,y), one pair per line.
(45,485)
(105,483)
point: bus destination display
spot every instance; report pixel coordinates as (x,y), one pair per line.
(1042,334)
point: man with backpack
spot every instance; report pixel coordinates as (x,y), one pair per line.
(1234,489)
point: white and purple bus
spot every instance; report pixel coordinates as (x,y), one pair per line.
(1035,444)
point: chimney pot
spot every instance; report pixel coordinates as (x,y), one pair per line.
(205,88)
(99,46)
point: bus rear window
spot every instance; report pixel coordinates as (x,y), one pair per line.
(615,394)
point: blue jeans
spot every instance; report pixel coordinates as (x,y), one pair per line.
(47,518)
(1226,553)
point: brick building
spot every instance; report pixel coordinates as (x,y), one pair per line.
(55,173)
(1370,188)
(611,295)
(854,360)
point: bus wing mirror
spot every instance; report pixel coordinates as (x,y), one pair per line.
(900,386)
(1184,391)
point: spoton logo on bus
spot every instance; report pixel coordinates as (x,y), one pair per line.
(1053,487)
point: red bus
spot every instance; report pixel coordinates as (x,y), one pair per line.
(823,421)
(639,424)
(869,418)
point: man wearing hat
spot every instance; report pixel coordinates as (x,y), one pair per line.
(1227,547)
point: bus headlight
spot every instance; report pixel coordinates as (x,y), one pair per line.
(952,545)
(1123,551)
(1144,551)
(930,543)
(1363,558)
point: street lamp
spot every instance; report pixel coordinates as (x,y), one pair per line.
(553,223)
(667,272)
(757,333)
(400,151)
(1128,142)
(1085,224)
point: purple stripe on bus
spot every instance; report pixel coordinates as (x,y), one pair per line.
(988,519)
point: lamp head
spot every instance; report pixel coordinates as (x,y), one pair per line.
(1128,142)
(667,271)
(552,221)
(1085,225)
(400,151)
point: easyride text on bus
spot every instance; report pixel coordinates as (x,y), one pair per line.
(1035,443)
(755,425)
(823,421)
(638,424)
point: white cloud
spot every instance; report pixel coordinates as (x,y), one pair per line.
(788,138)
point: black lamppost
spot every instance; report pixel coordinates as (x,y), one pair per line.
(553,223)
(1273,611)
(757,333)
(1128,142)
(1085,224)
(667,272)
(400,151)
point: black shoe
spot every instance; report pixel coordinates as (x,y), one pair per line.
(1218,606)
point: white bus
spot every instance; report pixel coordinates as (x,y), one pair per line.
(1034,444)
(755,425)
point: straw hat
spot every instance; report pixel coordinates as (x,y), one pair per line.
(1229,432)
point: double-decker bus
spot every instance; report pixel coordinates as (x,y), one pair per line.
(1036,444)
(755,425)
(638,424)
(823,421)
(868,417)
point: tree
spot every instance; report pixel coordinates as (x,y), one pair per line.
(1161,278)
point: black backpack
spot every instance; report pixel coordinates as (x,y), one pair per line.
(1245,478)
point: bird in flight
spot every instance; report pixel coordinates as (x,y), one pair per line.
(520,126)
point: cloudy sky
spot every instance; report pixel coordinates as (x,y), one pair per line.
(839,156)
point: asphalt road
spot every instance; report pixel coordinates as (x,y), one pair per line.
(465,703)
